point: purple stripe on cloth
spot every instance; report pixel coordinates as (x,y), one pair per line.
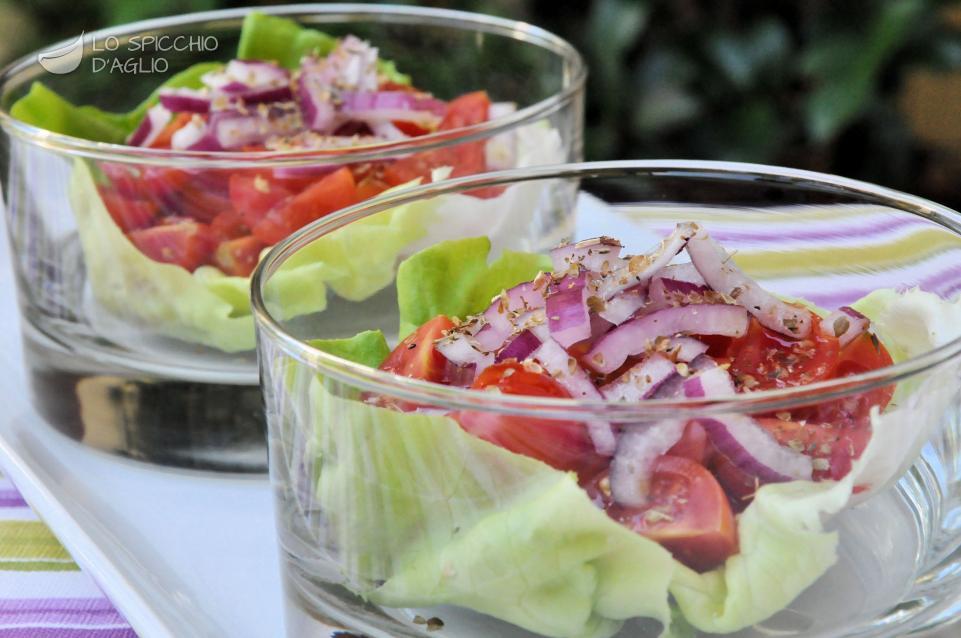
(943,283)
(52,616)
(879,228)
(11,498)
(65,632)
(54,604)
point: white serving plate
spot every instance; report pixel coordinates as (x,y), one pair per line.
(181,554)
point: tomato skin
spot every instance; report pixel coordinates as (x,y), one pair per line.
(229,225)
(238,256)
(331,192)
(466,158)
(564,445)
(694,444)
(252,196)
(763,359)
(370,186)
(186,243)
(128,213)
(416,356)
(689,514)
(202,204)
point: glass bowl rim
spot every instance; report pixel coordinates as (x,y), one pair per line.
(513,29)
(424,392)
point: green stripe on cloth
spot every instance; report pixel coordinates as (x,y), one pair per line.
(38,566)
(31,542)
(906,250)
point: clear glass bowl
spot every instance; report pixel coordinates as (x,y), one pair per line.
(152,361)
(388,519)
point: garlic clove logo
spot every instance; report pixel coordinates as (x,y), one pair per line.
(64,59)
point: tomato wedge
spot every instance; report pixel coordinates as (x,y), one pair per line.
(466,158)
(238,256)
(331,192)
(763,359)
(565,445)
(252,196)
(128,213)
(185,243)
(689,514)
(416,356)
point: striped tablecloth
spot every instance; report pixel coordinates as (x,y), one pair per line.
(43,593)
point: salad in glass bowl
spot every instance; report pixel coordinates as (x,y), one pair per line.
(135,254)
(589,440)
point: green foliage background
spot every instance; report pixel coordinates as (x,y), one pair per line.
(807,83)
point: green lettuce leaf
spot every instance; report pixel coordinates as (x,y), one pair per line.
(367,348)
(267,37)
(43,108)
(453,278)
(423,513)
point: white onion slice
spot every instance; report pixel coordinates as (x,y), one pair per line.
(640,268)
(622,306)
(600,255)
(723,275)
(637,449)
(845,323)
(641,380)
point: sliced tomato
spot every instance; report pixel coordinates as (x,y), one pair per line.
(129,213)
(185,243)
(229,225)
(252,196)
(411,128)
(864,354)
(238,256)
(694,444)
(370,186)
(466,158)
(738,484)
(161,183)
(763,359)
(331,192)
(689,514)
(416,356)
(200,203)
(123,179)
(833,445)
(565,445)
(178,122)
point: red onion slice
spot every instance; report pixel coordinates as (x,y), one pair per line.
(566,371)
(845,323)
(520,347)
(709,383)
(461,350)
(392,106)
(150,127)
(600,255)
(640,268)
(723,275)
(509,312)
(637,449)
(664,293)
(314,98)
(622,306)
(754,451)
(568,317)
(185,100)
(640,381)
(637,335)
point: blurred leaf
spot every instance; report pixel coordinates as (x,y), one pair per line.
(613,27)
(847,68)
(664,99)
(741,57)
